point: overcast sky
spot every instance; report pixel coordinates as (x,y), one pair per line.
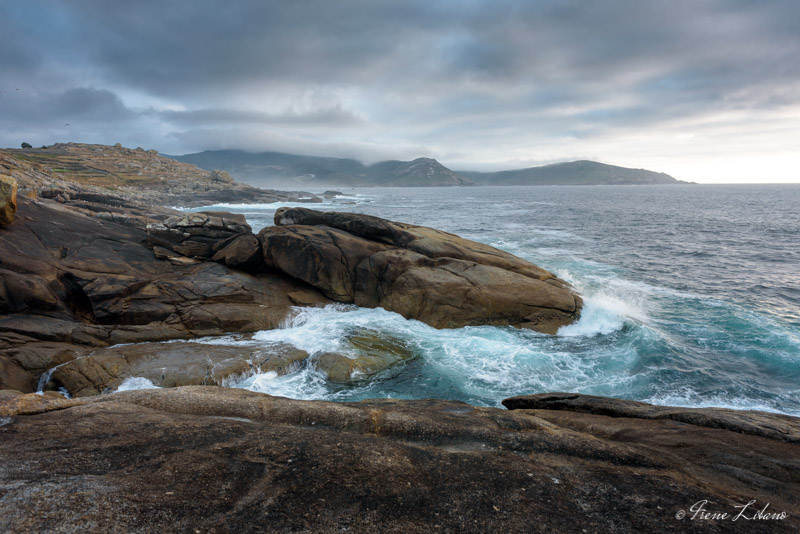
(705,90)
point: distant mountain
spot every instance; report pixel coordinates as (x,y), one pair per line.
(278,169)
(571,173)
(420,172)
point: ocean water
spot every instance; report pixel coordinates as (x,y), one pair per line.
(692,298)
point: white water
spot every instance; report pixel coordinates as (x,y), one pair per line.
(136,382)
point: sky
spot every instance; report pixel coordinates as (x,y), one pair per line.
(704,90)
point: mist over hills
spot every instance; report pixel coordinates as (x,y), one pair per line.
(279,169)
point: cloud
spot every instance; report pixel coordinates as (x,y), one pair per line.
(335,116)
(500,80)
(78,104)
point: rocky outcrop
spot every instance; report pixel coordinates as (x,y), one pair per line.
(197,235)
(773,426)
(79,275)
(419,272)
(216,459)
(364,353)
(221,176)
(63,170)
(173,364)
(8,199)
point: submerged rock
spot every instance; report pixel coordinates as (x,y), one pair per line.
(421,273)
(215,459)
(366,353)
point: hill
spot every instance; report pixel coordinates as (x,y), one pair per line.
(277,169)
(76,169)
(420,172)
(571,173)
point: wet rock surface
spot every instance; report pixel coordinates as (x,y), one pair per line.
(419,272)
(173,364)
(220,460)
(366,352)
(71,277)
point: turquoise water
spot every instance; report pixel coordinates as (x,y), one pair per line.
(692,298)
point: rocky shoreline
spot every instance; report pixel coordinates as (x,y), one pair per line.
(208,459)
(92,281)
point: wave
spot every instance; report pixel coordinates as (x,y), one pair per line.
(687,397)
(602,315)
(136,382)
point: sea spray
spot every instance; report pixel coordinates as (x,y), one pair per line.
(135,383)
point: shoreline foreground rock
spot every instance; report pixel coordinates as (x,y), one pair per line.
(84,273)
(211,459)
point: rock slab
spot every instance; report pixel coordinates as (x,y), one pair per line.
(212,459)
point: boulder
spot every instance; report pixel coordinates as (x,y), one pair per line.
(13,376)
(243,252)
(223,460)
(8,199)
(366,352)
(221,176)
(421,273)
(197,235)
(325,258)
(173,364)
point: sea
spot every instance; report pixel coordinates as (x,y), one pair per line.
(692,298)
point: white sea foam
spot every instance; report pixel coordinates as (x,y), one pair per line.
(480,364)
(687,397)
(244,208)
(604,313)
(136,382)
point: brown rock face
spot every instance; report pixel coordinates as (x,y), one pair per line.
(772,426)
(370,352)
(173,364)
(8,199)
(419,272)
(13,376)
(222,460)
(197,235)
(73,276)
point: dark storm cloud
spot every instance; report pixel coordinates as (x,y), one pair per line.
(81,103)
(414,72)
(179,48)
